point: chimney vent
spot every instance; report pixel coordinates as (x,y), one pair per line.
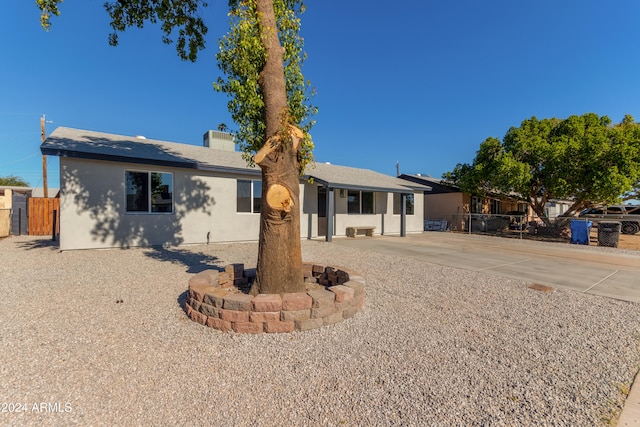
(219,140)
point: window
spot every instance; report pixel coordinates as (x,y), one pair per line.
(249,196)
(149,192)
(360,202)
(368,206)
(353,202)
(409,204)
(476,204)
(496,206)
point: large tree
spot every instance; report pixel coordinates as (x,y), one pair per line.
(584,159)
(268,103)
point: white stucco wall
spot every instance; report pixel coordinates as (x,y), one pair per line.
(415,223)
(93,208)
(385,221)
(93,213)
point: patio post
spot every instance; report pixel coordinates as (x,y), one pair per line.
(330,212)
(403,216)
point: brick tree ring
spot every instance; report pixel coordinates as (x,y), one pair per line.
(219,299)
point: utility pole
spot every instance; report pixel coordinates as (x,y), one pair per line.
(44,160)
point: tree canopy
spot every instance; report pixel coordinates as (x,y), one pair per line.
(584,159)
(242,57)
(178,19)
(13,181)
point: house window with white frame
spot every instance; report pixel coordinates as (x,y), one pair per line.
(360,202)
(397,204)
(149,192)
(249,196)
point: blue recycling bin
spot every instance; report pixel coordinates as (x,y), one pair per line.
(580,230)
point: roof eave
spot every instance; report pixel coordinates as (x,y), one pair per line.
(341,186)
(138,160)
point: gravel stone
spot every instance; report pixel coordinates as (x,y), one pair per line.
(102,337)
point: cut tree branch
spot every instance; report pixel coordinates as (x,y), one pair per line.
(275,141)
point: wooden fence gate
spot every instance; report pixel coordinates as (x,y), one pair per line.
(41,216)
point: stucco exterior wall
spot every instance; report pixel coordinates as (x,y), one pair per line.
(93,208)
(6,199)
(93,199)
(5,213)
(5,222)
(416,224)
(385,221)
(343,219)
(391,222)
(447,206)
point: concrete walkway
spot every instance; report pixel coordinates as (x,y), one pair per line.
(609,273)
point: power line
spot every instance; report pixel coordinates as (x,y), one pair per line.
(19,160)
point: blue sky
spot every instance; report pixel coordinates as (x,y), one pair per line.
(418,82)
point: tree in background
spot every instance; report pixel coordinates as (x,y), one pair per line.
(13,181)
(634,194)
(584,159)
(261,56)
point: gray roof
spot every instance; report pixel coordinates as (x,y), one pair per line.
(359,179)
(32,191)
(76,143)
(84,144)
(428,178)
(39,192)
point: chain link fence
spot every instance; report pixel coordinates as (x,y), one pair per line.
(522,226)
(496,224)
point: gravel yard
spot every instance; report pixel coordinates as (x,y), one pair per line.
(433,346)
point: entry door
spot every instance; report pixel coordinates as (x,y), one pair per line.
(322,211)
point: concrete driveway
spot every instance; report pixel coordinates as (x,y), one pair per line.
(598,271)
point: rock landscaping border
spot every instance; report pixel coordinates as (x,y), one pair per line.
(219,299)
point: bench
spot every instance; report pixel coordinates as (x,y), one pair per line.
(368,229)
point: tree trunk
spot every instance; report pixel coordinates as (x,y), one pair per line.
(279,268)
(538,208)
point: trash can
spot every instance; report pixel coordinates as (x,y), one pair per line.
(609,233)
(580,230)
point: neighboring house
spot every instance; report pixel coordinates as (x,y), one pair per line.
(446,202)
(121,191)
(555,208)
(30,191)
(14,208)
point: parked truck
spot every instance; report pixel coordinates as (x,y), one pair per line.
(628,216)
